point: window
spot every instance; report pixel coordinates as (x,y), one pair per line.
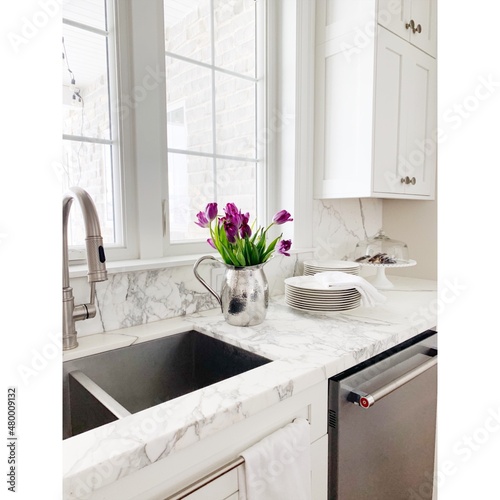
(214,102)
(90,138)
(184,140)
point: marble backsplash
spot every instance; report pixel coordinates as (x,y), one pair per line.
(138,297)
(340,224)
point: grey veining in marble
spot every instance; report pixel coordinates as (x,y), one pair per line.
(306,348)
(340,224)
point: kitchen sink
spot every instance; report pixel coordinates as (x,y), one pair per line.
(104,387)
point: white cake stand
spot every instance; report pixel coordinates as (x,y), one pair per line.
(380,280)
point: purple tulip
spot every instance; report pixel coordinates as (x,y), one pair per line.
(281,217)
(231,209)
(245,231)
(211,211)
(233,215)
(202,220)
(210,241)
(284,246)
(231,231)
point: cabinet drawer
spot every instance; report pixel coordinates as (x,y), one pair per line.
(224,487)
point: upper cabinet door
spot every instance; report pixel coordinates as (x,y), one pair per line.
(391,113)
(419,162)
(405,119)
(343,120)
(393,15)
(413,20)
(424,33)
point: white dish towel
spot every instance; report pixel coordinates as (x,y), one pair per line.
(370,296)
(279,466)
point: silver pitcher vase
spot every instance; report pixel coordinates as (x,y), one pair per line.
(244,296)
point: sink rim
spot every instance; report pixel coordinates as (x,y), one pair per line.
(186,330)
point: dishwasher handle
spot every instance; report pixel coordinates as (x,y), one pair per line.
(368,400)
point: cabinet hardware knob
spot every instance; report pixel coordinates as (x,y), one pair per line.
(413,181)
(402,180)
(415,29)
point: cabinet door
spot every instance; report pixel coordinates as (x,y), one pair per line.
(419,162)
(397,15)
(391,112)
(394,15)
(343,118)
(424,14)
(405,119)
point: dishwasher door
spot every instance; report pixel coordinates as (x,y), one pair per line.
(382,425)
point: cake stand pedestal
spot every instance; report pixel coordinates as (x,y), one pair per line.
(380,280)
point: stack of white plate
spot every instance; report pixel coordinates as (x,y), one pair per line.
(319,266)
(307,294)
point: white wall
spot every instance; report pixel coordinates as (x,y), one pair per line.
(415,223)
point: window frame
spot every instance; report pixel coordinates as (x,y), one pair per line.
(124,204)
(144,178)
(261,39)
(147,62)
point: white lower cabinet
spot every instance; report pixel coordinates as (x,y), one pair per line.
(223,488)
(187,466)
(226,486)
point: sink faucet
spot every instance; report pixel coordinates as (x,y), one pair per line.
(95,260)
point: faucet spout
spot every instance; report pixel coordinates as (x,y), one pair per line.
(96,261)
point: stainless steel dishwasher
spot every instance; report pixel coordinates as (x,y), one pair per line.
(382,425)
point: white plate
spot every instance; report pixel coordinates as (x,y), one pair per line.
(323,307)
(312,308)
(330,264)
(320,305)
(328,298)
(312,272)
(323,297)
(316,298)
(310,283)
(307,308)
(350,292)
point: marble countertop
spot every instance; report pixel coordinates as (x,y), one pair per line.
(306,349)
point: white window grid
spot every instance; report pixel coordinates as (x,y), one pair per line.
(259,112)
(78,252)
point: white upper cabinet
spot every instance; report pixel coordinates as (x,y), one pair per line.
(413,20)
(405,114)
(375,107)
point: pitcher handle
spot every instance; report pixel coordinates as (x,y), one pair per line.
(202,281)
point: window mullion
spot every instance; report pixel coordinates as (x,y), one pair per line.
(92,140)
(147,107)
(115,174)
(85,27)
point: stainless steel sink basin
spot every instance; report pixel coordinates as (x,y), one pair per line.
(101,388)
